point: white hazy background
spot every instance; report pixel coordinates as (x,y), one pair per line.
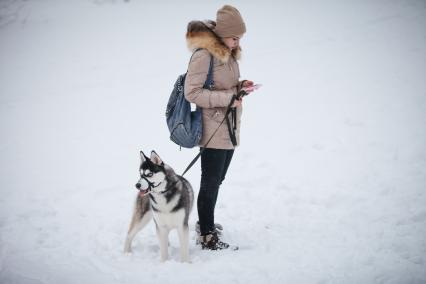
(328,185)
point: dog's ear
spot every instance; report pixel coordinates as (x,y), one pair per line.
(143,157)
(156,159)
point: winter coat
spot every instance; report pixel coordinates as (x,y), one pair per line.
(226,75)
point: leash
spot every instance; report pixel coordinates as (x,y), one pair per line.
(240,94)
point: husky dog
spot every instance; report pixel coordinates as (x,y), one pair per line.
(166,197)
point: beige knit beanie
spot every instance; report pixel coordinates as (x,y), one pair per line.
(229,22)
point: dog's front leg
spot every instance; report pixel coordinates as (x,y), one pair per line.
(183,232)
(163,237)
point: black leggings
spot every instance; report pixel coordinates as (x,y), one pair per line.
(214,165)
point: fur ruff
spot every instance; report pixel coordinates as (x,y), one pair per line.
(200,35)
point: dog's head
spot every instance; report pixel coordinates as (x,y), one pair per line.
(152,174)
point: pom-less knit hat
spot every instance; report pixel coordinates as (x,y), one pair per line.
(229,22)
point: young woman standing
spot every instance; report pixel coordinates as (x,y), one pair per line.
(221,40)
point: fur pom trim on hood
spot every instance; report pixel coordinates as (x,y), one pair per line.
(201,35)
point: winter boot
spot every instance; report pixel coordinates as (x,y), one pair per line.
(217,228)
(211,241)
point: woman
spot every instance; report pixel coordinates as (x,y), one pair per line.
(219,39)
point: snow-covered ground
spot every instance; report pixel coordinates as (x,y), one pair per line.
(328,185)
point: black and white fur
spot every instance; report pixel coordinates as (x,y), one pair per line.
(167,198)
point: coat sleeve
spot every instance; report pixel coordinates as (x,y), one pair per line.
(194,82)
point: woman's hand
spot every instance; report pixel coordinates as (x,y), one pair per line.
(245,86)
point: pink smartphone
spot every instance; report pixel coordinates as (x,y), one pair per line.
(253,87)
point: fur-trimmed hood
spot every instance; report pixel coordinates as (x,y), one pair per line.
(200,35)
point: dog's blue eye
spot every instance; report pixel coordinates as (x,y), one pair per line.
(149,175)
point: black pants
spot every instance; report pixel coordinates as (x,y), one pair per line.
(214,165)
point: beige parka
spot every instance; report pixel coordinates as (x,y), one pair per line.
(226,75)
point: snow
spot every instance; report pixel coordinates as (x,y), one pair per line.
(328,185)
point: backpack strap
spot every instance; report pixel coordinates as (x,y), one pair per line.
(209,81)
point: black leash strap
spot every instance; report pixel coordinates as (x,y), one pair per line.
(232,127)
(208,141)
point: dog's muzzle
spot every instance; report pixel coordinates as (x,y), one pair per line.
(144,186)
